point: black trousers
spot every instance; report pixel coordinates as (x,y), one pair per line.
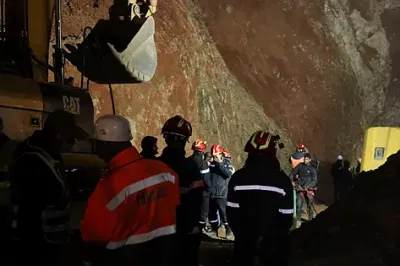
(217,205)
(205,207)
(160,251)
(268,250)
(304,199)
(186,250)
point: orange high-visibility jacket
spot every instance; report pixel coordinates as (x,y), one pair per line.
(134,203)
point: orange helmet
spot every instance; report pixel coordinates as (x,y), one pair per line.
(199,145)
(263,142)
(300,148)
(216,149)
(178,126)
(227,154)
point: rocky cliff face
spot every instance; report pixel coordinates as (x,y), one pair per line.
(318,72)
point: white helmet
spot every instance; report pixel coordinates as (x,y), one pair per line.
(114,128)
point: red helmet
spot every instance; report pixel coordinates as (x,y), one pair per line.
(178,126)
(199,145)
(216,149)
(227,154)
(263,142)
(300,147)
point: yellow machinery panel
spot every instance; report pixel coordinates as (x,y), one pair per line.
(379,144)
(40,24)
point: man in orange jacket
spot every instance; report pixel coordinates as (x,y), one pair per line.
(132,212)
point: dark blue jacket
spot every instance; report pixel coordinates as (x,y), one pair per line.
(220,176)
(198,158)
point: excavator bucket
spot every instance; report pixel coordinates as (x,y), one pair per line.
(140,56)
(117,52)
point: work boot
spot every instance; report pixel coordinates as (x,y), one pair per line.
(298,224)
(228,232)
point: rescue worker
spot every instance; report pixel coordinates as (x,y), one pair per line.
(355,170)
(294,160)
(176,132)
(344,181)
(305,185)
(336,170)
(260,204)
(199,147)
(221,171)
(298,156)
(227,155)
(132,211)
(38,193)
(208,158)
(149,147)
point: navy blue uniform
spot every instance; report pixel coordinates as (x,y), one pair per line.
(260,211)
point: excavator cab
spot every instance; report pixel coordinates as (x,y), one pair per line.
(121,49)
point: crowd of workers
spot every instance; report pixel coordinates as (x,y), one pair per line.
(150,210)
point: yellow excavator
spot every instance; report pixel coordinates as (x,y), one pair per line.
(123,44)
(379,144)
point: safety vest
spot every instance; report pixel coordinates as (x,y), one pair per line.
(135,202)
(54,218)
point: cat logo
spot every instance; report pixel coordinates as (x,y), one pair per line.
(71,104)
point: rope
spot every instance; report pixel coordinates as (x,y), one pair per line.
(104,63)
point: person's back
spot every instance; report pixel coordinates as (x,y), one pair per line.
(344,180)
(336,170)
(263,219)
(37,182)
(260,204)
(336,167)
(137,207)
(38,193)
(176,132)
(189,176)
(132,212)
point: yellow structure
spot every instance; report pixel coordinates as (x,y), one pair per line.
(40,21)
(379,144)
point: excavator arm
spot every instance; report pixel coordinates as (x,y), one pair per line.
(26,27)
(40,25)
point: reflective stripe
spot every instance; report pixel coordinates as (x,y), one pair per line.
(140,238)
(49,214)
(231,169)
(202,222)
(55,228)
(205,171)
(213,221)
(46,214)
(183,190)
(286,211)
(196,184)
(265,188)
(138,186)
(232,204)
